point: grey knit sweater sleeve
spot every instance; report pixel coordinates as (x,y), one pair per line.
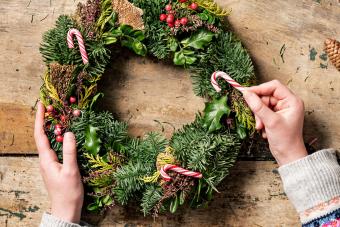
(50,221)
(312,181)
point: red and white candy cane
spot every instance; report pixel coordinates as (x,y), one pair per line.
(225,76)
(81,43)
(179,170)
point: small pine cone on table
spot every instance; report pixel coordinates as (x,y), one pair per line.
(332,48)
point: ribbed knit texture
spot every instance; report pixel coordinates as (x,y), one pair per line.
(312,180)
(50,221)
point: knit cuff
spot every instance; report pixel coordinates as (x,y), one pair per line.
(50,221)
(312,180)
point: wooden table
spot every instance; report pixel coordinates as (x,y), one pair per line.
(280,36)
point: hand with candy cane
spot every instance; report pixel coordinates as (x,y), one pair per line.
(74,32)
(279,114)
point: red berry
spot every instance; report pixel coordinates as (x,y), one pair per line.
(182,1)
(63,118)
(193,6)
(49,108)
(168,7)
(177,23)
(73,99)
(58,126)
(76,113)
(170,18)
(57,131)
(59,138)
(184,21)
(171,25)
(163,17)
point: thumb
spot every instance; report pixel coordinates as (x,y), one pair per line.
(69,151)
(263,112)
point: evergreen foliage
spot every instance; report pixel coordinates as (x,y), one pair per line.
(212,154)
(225,54)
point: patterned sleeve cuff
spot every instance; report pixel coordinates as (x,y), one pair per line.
(313,182)
(50,221)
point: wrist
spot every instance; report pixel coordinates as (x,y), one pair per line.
(291,154)
(68,213)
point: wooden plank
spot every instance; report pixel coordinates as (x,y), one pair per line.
(251,196)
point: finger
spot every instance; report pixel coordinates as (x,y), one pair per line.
(266,115)
(69,152)
(264,134)
(272,88)
(46,154)
(259,124)
(269,101)
(273,101)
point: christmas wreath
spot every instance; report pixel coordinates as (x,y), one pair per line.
(159,174)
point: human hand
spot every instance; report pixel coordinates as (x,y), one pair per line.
(279,114)
(63,181)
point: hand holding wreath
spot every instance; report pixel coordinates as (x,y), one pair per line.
(63,181)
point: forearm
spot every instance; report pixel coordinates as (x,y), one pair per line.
(313,186)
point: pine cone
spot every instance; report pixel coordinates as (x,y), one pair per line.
(128,13)
(332,48)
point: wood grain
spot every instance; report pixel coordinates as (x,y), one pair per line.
(251,196)
(146,92)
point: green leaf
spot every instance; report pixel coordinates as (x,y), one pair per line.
(92,207)
(174,204)
(107,200)
(198,40)
(181,198)
(203,16)
(139,48)
(179,58)
(213,113)
(95,99)
(138,34)
(92,142)
(126,29)
(241,130)
(135,45)
(184,57)
(173,45)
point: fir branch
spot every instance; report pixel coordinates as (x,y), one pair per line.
(151,197)
(225,54)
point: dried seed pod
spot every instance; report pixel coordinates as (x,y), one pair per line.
(128,13)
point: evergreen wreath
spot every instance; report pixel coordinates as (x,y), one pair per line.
(159,174)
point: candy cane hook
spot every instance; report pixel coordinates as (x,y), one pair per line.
(81,44)
(179,170)
(225,76)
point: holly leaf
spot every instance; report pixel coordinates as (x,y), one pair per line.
(134,44)
(92,141)
(198,40)
(213,113)
(173,44)
(184,57)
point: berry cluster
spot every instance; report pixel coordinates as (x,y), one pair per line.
(170,19)
(59,128)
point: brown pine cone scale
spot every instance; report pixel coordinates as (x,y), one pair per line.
(332,48)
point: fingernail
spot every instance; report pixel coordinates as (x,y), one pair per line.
(69,136)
